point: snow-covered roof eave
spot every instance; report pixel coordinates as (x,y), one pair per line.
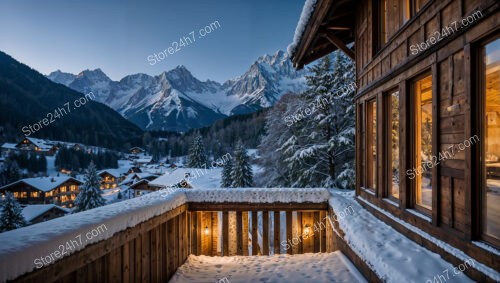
(57,184)
(304,20)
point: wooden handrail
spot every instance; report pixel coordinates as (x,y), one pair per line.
(152,250)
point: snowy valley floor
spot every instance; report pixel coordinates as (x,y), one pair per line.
(325,267)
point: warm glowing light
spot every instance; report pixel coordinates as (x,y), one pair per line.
(307,230)
(206,230)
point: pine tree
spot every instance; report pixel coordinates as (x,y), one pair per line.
(12,172)
(197,157)
(241,175)
(11,216)
(90,193)
(280,129)
(226,180)
(316,145)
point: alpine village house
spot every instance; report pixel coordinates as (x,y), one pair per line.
(60,191)
(427,114)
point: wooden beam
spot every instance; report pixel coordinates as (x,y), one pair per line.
(245,206)
(340,45)
(339,28)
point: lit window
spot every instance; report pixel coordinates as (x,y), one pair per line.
(63,189)
(422,90)
(393,144)
(34,194)
(371,144)
(491,143)
(23,194)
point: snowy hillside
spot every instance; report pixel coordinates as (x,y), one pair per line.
(176,100)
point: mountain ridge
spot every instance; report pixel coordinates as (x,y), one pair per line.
(175,100)
(28,97)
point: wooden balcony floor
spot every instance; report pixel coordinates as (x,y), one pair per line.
(317,267)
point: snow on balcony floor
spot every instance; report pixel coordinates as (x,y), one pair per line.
(317,267)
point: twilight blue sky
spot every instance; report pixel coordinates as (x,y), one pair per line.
(117,36)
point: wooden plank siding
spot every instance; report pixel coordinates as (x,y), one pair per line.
(450,61)
(147,252)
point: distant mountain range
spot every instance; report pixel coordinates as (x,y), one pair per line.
(177,101)
(28,98)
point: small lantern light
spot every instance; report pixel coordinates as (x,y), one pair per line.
(307,230)
(206,230)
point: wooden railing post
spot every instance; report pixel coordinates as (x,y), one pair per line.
(225,233)
(289,234)
(239,232)
(265,233)
(255,236)
(277,229)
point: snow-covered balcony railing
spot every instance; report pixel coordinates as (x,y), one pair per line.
(146,239)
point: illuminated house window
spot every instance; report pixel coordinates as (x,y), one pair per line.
(422,125)
(34,194)
(62,189)
(491,143)
(393,143)
(23,195)
(371,144)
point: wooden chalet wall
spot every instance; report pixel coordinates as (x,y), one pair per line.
(451,63)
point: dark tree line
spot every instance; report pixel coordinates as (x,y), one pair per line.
(219,138)
(34,163)
(9,172)
(76,160)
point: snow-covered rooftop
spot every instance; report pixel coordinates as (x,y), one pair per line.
(137,176)
(305,16)
(196,177)
(31,212)
(9,145)
(42,144)
(116,172)
(44,184)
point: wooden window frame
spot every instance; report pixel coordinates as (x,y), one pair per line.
(412,190)
(387,129)
(378,17)
(479,200)
(360,147)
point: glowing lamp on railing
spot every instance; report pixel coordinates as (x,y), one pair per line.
(206,230)
(307,230)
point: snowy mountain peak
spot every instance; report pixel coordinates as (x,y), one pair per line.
(176,100)
(94,75)
(61,77)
